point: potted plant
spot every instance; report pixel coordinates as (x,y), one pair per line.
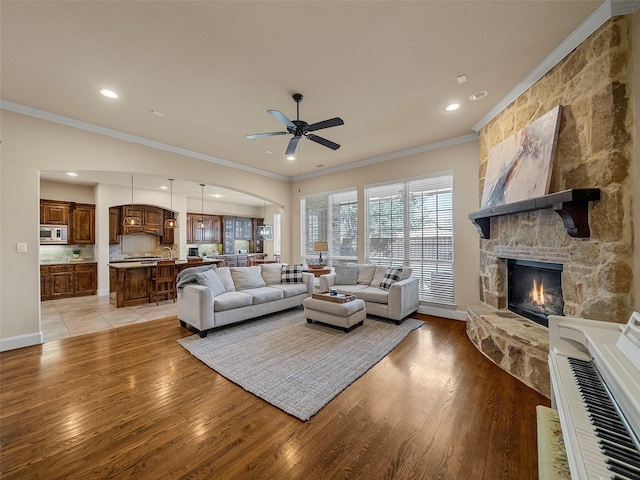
(76,252)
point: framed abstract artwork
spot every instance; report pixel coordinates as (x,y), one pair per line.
(519,168)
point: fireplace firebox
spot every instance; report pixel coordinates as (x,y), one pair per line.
(535,289)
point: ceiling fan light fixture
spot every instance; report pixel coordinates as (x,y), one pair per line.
(299,128)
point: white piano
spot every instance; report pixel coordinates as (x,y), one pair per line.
(595,386)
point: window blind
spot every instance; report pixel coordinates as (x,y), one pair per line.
(410,224)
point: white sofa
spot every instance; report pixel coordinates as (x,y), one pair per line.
(400,300)
(236,294)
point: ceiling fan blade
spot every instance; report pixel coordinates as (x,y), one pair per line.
(270,134)
(282,118)
(323,141)
(332,122)
(293,143)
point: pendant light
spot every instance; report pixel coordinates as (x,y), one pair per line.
(200,224)
(265,231)
(171,222)
(131,220)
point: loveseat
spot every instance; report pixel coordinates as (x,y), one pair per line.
(210,297)
(388,292)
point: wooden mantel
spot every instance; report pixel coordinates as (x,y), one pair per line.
(572,206)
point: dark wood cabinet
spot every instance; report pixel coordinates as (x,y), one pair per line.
(64,281)
(216,229)
(85,279)
(211,233)
(115,225)
(61,279)
(83,224)
(45,273)
(54,212)
(151,219)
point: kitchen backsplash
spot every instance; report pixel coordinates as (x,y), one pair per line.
(138,246)
(62,253)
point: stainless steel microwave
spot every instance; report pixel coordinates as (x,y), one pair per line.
(52,234)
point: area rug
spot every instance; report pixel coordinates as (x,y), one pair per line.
(294,365)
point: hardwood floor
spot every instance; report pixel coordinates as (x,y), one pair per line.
(132,403)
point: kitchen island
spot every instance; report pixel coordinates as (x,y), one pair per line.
(129,281)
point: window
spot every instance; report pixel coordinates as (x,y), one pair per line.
(330,217)
(411,223)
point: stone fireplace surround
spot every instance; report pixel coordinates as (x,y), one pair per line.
(594,150)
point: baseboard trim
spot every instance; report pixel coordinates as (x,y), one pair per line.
(21,341)
(443,312)
(103,293)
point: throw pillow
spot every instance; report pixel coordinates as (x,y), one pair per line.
(392,276)
(346,275)
(291,274)
(210,279)
(365,274)
(224,274)
(271,274)
(378,276)
(247,277)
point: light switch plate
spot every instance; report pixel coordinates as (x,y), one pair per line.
(21,247)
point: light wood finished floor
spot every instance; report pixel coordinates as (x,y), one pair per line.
(132,403)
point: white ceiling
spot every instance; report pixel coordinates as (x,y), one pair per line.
(213,68)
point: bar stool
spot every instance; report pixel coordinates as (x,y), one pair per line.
(194,262)
(164,281)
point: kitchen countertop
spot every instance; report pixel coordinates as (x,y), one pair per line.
(152,263)
(58,262)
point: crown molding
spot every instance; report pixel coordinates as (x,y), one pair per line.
(604,12)
(471,137)
(90,127)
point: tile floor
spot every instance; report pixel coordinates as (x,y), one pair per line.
(71,317)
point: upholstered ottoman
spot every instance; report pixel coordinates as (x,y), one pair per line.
(346,315)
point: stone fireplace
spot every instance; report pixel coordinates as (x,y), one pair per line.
(594,150)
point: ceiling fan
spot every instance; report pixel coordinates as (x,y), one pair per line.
(299,128)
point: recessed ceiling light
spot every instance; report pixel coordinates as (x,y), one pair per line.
(453,107)
(462,78)
(108,93)
(320,165)
(268,152)
(157,113)
(478,95)
(216,195)
(291,157)
(72,174)
(163,187)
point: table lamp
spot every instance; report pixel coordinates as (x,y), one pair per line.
(320,247)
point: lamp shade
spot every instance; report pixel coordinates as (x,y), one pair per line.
(320,247)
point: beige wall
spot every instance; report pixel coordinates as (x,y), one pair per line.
(461,159)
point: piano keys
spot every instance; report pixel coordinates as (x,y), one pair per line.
(596,390)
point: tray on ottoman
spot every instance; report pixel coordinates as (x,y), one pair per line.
(340,298)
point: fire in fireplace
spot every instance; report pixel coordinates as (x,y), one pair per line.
(535,289)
